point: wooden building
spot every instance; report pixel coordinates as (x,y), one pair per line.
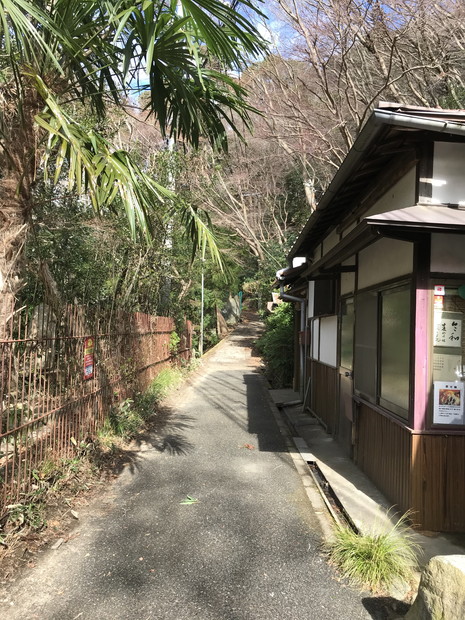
(381,299)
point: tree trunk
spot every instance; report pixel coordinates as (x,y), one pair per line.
(18,165)
(13,230)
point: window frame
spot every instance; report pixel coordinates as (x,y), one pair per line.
(375,399)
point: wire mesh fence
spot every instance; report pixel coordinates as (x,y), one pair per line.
(60,375)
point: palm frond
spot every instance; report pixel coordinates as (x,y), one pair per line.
(96,168)
(105,173)
(224,30)
(93,50)
(90,51)
(22,28)
(187,97)
(198,229)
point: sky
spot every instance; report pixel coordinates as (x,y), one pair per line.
(273,29)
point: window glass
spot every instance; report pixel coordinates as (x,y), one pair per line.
(325,297)
(328,340)
(365,353)
(395,350)
(448,183)
(347,333)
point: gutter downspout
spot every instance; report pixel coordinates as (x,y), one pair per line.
(303,304)
(410,121)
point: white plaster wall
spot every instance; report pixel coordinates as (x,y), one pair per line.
(328,340)
(347,283)
(448,253)
(330,242)
(384,260)
(449,180)
(298,260)
(348,279)
(311,299)
(400,195)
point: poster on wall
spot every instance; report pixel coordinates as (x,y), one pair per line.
(88,358)
(448,402)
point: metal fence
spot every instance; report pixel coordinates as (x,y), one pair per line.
(61,375)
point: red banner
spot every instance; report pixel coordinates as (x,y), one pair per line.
(88,358)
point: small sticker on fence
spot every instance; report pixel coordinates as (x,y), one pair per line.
(88,358)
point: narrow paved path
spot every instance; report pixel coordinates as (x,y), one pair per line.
(249,549)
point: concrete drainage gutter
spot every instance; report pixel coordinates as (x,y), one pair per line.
(334,506)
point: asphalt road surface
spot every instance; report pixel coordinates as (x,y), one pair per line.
(249,548)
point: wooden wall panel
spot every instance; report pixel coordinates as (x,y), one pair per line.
(438,482)
(382,452)
(421,473)
(324,394)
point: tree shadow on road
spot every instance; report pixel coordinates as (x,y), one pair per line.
(247,337)
(241,398)
(167,431)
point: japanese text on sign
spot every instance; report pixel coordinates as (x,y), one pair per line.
(448,333)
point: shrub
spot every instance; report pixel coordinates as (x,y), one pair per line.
(27,514)
(277,346)
(124,420)
(174,342)
(375,560)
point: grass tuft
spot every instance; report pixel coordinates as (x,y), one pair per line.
(376,560)
(167,379)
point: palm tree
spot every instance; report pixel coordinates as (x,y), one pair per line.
(57,53)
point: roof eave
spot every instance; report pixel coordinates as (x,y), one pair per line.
(365,138)
(375,124)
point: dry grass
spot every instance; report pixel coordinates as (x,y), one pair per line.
(376,560)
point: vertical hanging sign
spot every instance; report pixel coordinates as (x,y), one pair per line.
(88,358)
(439,293)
